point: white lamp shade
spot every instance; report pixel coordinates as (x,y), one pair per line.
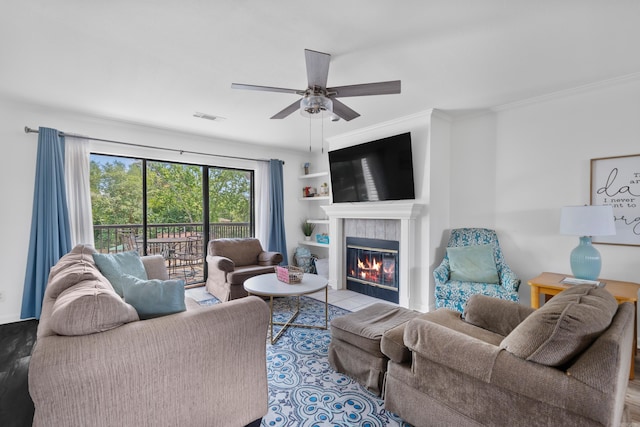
(587,221)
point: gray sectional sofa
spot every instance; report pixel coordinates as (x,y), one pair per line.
(95,364)
(504,364)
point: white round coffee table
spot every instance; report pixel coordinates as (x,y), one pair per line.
(268,285)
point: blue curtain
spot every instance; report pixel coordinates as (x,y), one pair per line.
(50,235)
(277,237)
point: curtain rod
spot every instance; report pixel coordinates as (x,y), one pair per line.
(27,129)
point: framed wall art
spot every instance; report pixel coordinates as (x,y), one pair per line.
(615,181)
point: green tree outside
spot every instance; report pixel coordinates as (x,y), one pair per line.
(116,192)
(229,195)
(174,193)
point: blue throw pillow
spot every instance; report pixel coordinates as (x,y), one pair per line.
(154,298)
(114,266)
(473,264)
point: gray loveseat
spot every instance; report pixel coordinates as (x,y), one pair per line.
(232,261)
(505,364)
(205,366)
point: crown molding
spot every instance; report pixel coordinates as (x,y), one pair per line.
(442,115)
(568,92)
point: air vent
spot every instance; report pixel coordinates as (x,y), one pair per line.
(208,117)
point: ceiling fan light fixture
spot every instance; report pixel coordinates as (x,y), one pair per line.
(318,98)
(313,105)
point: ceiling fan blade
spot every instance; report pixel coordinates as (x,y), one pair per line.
(317,68)
(266,88)
(288,110)
(380,88)
(343,111)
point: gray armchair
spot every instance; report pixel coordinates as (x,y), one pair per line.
(232,261)
(502,363)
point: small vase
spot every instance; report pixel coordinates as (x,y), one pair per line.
(307,238)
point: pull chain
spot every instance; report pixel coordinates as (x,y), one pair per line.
(322,135)
(309,133)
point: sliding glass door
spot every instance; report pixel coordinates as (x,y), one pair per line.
(175,217)
(157,207)
(231,203)
(116,203)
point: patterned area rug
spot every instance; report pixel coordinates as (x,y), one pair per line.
(303,389)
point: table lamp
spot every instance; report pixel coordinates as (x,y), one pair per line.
(586,221)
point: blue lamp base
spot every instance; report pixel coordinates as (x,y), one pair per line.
(585,260)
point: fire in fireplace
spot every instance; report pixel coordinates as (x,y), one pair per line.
(372,267)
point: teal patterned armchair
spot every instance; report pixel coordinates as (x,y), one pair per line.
(454,294)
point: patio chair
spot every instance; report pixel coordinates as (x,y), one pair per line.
(130,242)
(189,255)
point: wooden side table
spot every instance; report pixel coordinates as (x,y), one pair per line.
(550,284)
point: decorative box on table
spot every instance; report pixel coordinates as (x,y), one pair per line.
(289,274)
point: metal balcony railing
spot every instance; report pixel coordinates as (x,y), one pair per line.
(181,245)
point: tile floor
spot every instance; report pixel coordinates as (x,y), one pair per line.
(347,299)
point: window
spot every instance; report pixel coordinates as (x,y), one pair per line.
(157,207)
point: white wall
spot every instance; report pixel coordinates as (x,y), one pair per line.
(473,172)
(436,222)
(536,159)
(17,172)
(511,169)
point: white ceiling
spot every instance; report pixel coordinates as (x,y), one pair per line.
(156,62)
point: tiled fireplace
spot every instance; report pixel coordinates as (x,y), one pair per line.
(371,267)
(384,221)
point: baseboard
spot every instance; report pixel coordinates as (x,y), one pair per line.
(10,318)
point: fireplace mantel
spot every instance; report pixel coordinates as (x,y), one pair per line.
(374,210)
(405,212)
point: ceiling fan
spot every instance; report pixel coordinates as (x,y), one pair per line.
(317,97)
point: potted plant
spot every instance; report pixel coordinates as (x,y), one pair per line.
(307,229)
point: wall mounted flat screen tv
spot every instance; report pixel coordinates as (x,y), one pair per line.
(373,171)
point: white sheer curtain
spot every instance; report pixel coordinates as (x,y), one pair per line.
(262,203)
(76,171)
